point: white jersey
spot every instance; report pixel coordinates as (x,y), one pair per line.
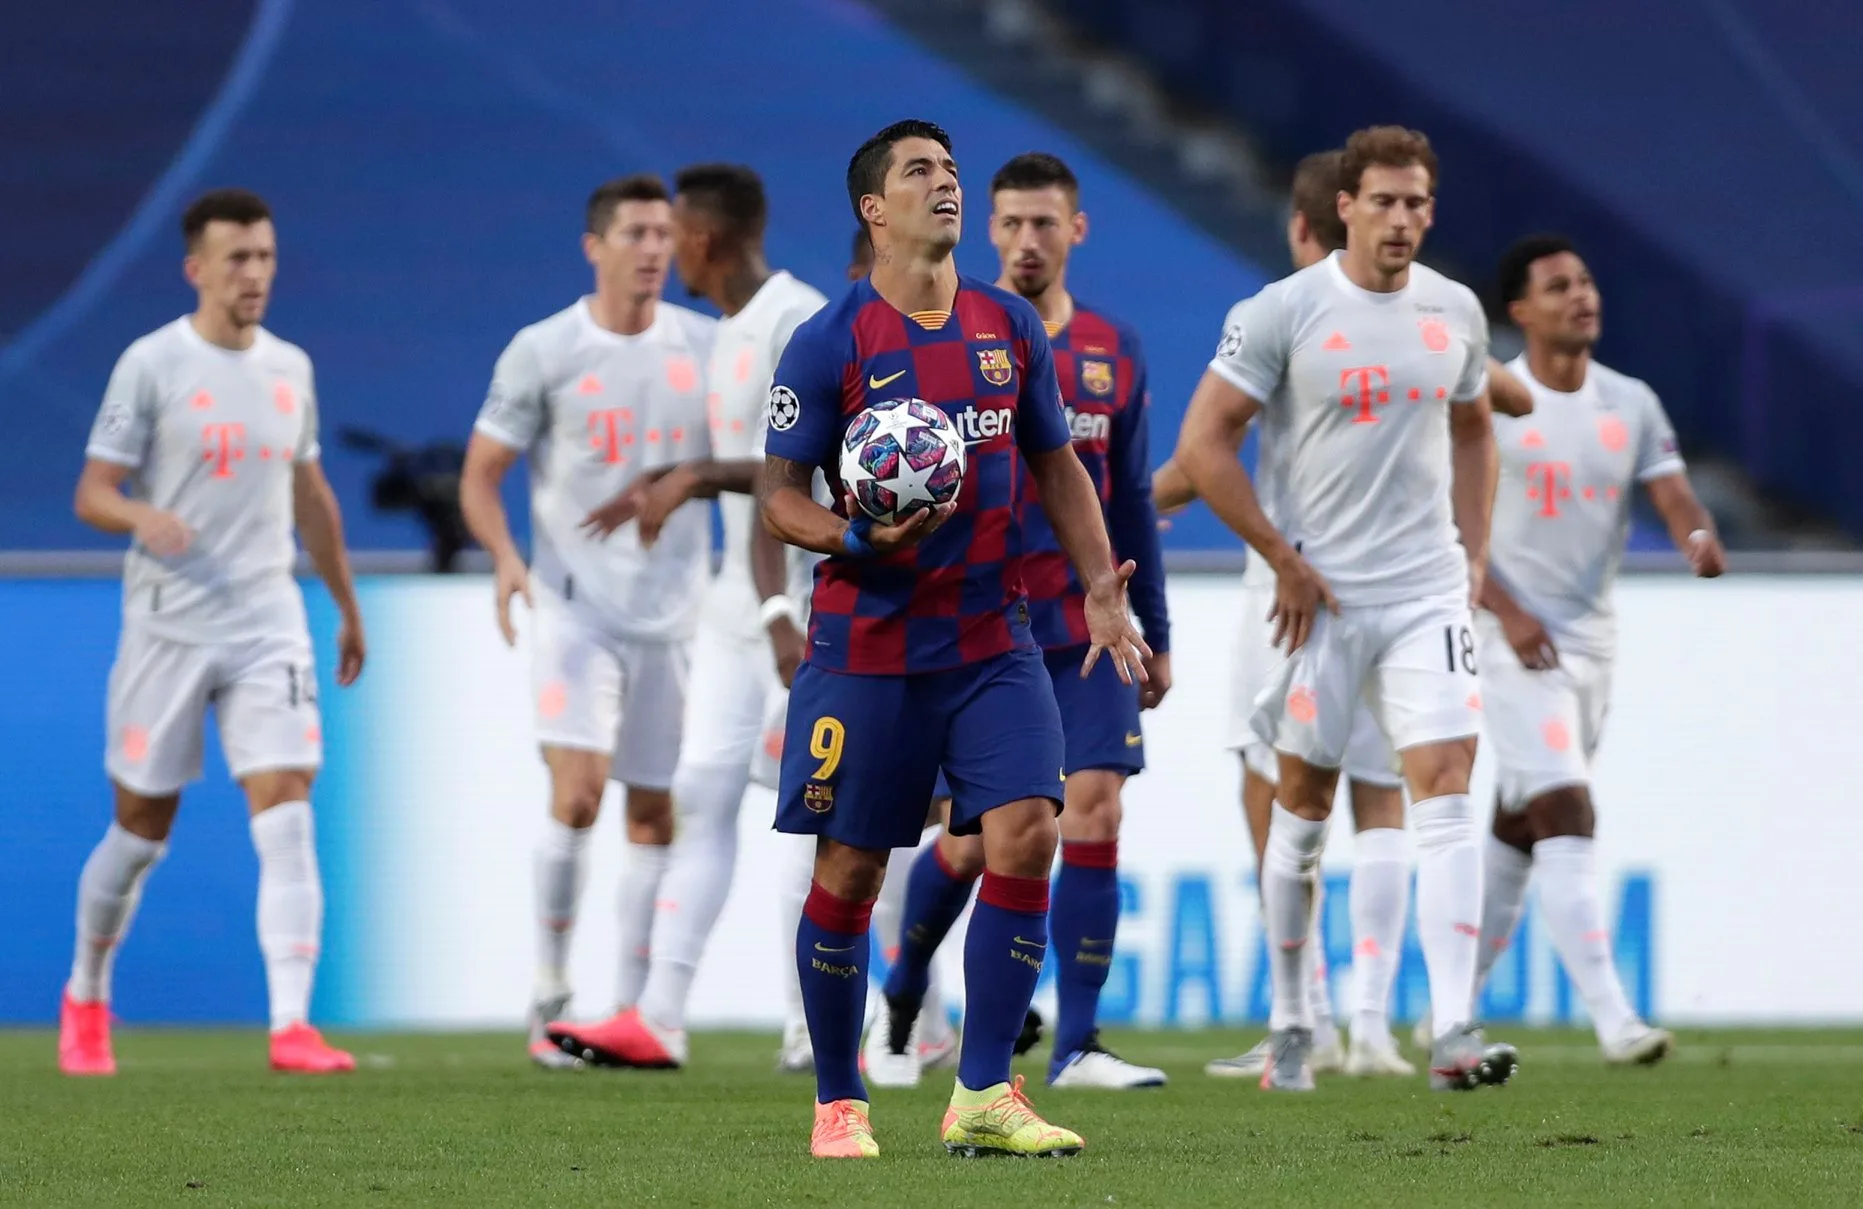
(1359,385)
(595,410)
(737,398)
(212,435)
(1563,507)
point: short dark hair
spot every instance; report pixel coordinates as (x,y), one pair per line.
(1384,147)
(1037,170)
(241,206)
(733,192)
(608,196)
(1316,197)
(866,172)
(1517,262)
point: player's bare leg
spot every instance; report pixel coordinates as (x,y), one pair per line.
(1380,900)
(109,890)
(1083,925)
(832,960)
(625,1038)
(1289,873)
(1448,911)
(1553,836)
(1003,954)
(578,779)
(290,916)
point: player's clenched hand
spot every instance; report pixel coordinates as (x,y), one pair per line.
(657,503)
(1157,680)
(884,539)
(163,534)
(351,649)
(1299,595)
(1705,554)
(1110,626)
(1533,646)
(789,645)
(617,512)
(513,579)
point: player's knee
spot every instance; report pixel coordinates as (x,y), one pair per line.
(275,787)
(149,818)
(962,854)
(1093,813)
(853,874)
(649,815)
(1513,828)
(1377,807)
(1562,811)
(1438,770)
(1306,789)
(1019,838)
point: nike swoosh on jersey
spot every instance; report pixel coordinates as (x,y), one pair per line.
(822,948)
(1133,740)
(874,383)
(1033,944)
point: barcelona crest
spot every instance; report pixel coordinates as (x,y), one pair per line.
(994,365)
(1097,377)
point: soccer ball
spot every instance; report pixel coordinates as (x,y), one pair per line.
(900,457)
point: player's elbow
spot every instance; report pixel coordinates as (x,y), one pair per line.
(1471,424)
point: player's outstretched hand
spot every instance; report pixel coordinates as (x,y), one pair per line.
(1110,626)
(1157,680)
(513,579)
(1705,554)
(352,650)
(789,645)
(884,539)
(1533,646)
(657,503)
(1299,594)
(163,534)
(617,512)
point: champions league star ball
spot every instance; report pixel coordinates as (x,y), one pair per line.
(900,457)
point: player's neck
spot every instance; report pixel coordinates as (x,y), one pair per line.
(911,284)
(1557,369)
(1362,270)
(217,327)
(623,314)
(738,286)
(1054,304)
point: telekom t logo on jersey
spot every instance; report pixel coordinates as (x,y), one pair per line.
(221,446)
(1549,483)
(1366,386)
(610,433)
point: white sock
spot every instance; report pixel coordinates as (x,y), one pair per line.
(1287,875)
(642,868)
(1319,982)
(1504,873)
(889,909)
(108,891)
(1380,900)
(560,867)
(290,907)
(1568,888)
(698,880)
(797,874)
(1448,904)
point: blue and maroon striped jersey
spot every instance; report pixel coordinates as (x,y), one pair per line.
(1104,390)
(957,596)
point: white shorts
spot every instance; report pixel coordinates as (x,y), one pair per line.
(766,763)
(1412,663)
(264,696)
(1368,755)
(732,680)
(1545,726)
(597,692)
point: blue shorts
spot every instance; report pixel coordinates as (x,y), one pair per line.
(1099,717)
(861,754)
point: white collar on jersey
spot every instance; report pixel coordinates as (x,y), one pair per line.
(1335,267)
(585,311)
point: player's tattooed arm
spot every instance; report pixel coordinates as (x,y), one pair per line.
(320,528)
(1691,525)
(1476,464)
(791,513)
(1508,393)
(1074,510)
(101,504)
(488,460)
(655,498)
(1209,447)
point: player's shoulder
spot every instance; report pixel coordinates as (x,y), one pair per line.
(1440,289)
(829,331)
(280,352)
(685,324)
(553,333)
(1617,387)
(156,349)
(982,298)
(1275,297)
(1109,333)
(794,295)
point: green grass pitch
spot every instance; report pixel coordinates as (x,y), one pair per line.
(194,1118)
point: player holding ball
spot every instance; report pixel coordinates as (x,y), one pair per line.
(920,652)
